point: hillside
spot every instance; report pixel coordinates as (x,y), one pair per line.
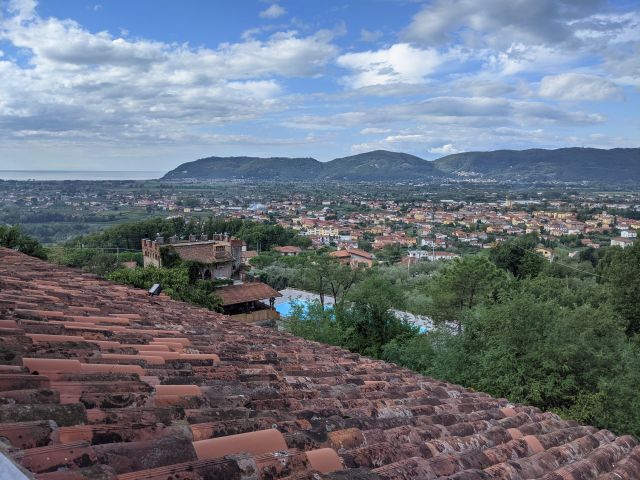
(380,165)
(253,168)
(616,166)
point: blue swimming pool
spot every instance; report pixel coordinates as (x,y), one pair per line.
(284,309)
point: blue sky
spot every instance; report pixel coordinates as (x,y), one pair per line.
(146,85)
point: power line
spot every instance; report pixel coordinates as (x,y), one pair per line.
(565,265)
(119,249)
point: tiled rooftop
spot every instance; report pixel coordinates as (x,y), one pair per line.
(101,381)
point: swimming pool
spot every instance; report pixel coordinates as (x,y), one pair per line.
(284,309)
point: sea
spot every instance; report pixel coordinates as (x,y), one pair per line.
(79,175)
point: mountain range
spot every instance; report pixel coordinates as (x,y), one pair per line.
(615,166)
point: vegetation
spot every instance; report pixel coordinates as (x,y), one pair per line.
(95,260)
(617,166)
(105,252)
(177,282)
(559,336)
(364,325)
(12,237)
(518,256)
(462,286)
(129,235)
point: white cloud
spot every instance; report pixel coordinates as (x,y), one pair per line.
(22,9)
(480,112)
(274,11)
(97,85)
(404,138)
(400,63)
(520,58)
(464,75)
(498,23)
(579,87)
(374,131)
(447,149)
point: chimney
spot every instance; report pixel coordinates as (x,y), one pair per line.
(159,240)
(204,237)
(193,238)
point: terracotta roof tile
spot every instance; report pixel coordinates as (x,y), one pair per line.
(100,381)
(247,292)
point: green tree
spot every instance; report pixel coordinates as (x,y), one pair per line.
(315,276)
(518,256)
(462,285)
(341,279)
(364,323)
(369,320)
(622,272)
(364,245)
(390,254)
(315,322)
(13,237)
(175,282)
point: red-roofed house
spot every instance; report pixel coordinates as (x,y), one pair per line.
(354,257)
(288,250)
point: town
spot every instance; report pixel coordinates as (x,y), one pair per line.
(425,222)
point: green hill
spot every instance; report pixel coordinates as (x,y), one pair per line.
(615,166)
(618,165)
(253,168)
(380,165)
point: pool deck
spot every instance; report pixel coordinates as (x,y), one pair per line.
(290,294)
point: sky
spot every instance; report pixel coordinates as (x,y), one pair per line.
(150,84)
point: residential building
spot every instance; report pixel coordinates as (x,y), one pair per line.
(354,257)
(621,242)
(220,257)
(287,250)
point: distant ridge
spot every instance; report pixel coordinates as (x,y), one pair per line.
(615,166)
(618,165)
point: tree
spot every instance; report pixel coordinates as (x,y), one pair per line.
(622,272)
(341,279)
(518,256)
(368,319)
(363,323)
(315,276)
(314,322)
(365,245)
(391,254)
(175,283)
(462,285)
(12,237)
(326,276)
(538,352)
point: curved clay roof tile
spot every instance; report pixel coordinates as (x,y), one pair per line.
(182,390)
(255,443)
(325,460)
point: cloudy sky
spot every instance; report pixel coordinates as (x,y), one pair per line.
(147,85)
